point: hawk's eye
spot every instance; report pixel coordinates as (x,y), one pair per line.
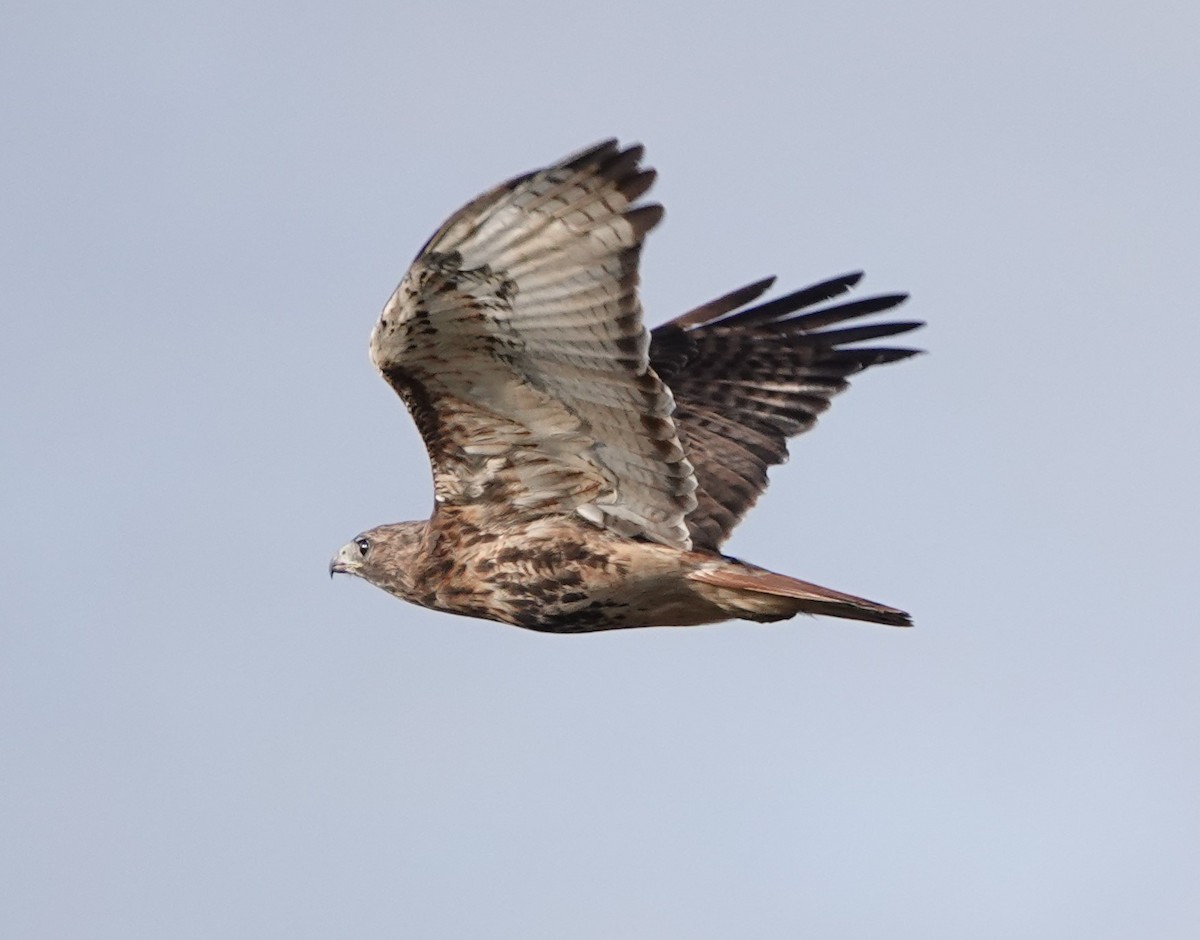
(363,546)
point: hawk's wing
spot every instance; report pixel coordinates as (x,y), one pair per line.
(745,380)
(516,339)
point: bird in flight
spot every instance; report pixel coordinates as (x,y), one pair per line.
(586,471)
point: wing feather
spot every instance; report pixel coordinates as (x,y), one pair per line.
(745,379)
(516,339)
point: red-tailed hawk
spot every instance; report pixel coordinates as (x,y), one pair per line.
(586,471)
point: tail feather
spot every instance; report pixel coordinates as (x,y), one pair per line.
(754,593)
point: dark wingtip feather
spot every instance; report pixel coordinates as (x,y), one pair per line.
(781,307)
(722,305)
(644,218)
(590,154)
(885,354)
(635,187)
(851,310)
(856,334)
(633,153)
(850,359)
(621,164)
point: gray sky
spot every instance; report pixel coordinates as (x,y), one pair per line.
(205,206)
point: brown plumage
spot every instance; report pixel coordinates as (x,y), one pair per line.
(587,471)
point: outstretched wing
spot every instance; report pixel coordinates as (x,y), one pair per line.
(745,380)
(516,340)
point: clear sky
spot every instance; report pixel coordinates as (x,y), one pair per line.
(204,207)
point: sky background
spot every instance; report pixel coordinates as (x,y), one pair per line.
(204,208)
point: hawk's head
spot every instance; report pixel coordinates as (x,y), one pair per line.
(385,556)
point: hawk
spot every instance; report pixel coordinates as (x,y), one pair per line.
(586,471)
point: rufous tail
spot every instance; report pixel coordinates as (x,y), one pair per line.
(753,593)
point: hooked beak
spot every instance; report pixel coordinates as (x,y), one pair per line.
(347,560)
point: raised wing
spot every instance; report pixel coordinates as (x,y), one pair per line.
(516,339)
(745,380)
